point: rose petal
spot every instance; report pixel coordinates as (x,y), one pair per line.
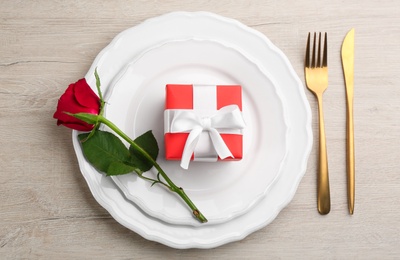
(67,104)
(85,96)
(80,127)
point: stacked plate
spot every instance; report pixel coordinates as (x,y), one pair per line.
(238,198)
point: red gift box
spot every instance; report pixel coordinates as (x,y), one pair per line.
(201,101)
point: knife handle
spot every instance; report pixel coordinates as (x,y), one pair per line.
(323,192)
(350,155)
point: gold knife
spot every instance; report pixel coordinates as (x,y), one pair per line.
(348,70)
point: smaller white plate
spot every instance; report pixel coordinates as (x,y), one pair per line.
(221,190)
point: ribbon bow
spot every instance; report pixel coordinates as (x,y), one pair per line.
(228,117)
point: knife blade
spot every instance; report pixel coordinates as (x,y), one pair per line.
(348,71)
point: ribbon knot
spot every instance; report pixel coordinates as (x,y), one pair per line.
(226,118)
(206,123)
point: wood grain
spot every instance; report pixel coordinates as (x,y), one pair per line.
(46,208)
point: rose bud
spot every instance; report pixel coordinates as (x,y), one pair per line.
(78,98)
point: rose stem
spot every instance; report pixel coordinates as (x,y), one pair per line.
(173,187)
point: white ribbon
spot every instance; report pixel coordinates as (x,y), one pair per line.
(228,117)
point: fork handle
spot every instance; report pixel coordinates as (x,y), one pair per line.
(323,192)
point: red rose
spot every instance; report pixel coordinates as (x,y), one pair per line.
(78,98)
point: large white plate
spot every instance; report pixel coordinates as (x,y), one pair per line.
(221,190)
(182,25)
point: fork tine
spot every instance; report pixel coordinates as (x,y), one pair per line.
(319,51)
(325,58)
(307,63)
(313,52)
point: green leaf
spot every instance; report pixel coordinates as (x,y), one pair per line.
(119,168)
(107,153)
(147,142)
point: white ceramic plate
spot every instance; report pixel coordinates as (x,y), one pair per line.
(182,25)
(221,190)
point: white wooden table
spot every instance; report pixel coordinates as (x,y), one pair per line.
(46,208)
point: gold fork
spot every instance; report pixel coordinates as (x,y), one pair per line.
(317,82)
